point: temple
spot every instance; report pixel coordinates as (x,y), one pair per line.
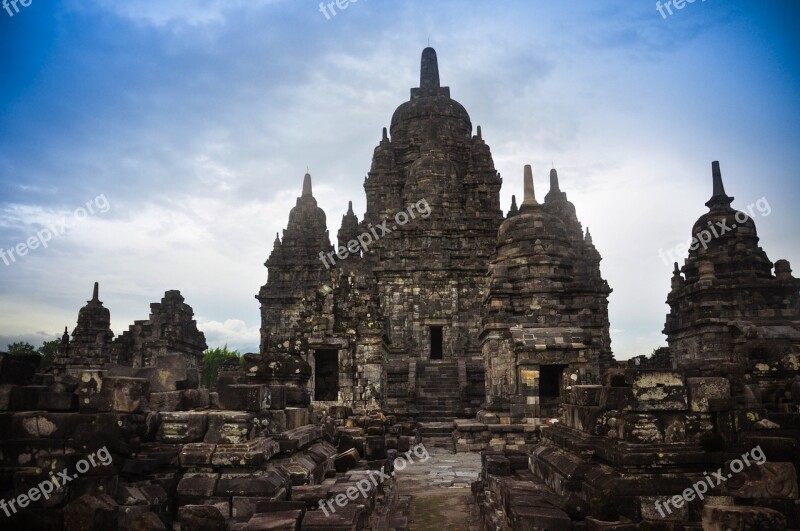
(434,323)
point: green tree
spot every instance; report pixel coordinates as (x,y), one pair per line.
(212,358)
(21,347)
(48,351)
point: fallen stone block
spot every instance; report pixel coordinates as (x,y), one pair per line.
(723,518)
(275,521)
(351,517)
(196,454)
(267,484)
(91,513)
(310,494)
(347,460)
(198,484)
(249,453)
(201,518)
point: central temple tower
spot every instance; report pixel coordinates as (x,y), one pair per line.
(431,272)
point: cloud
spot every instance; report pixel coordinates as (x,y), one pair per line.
(233,332)
(189,12)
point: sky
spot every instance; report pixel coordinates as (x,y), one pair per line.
(159,144)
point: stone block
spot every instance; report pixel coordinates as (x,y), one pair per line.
(587,395)
(296,417)
(183,427)
(198,484)
(724,518)
(201,518)
(91,513)
(703,391)
(53,401)
(25,398)
(767,480)
(347,460)
(498,465)
(350,517)
(249,397)
(125,395)
(310,494)
(90,386)
(275,521)
(183,400)
(267,484)
(375,447)
(657,390)
(196,454)
(145,521)
(249,453)
(229,427)
(5,397)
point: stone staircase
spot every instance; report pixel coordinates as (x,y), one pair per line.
(438,392)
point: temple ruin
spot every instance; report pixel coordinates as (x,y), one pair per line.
(435,322)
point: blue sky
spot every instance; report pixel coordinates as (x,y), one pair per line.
(196,120)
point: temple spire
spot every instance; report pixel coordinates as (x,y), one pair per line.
(529,198)
(716,175)
(307,185)
(350,208)
(719,199)
(513,211)
(429,69)
(554,181)
(96,293)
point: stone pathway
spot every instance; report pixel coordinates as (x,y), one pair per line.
(435,495)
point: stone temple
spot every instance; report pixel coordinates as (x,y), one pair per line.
(435,328)
(460,305)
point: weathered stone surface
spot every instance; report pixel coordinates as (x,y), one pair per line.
(91,513)
(126,395)
(183,427)
(724,518)
(201,518)
(767,480)
(275,521)
(249,453)
(229,427)
(705,390)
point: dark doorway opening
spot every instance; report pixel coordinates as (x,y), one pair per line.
(437,340)
(326,374)
(550,378)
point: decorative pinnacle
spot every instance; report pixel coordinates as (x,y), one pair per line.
(479,133)
(350,208)
(716,175)
(529,198)
(307,185)
(513,211)
(588,237)
(719,199)
(96,293)
(554,181)
(429,69)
